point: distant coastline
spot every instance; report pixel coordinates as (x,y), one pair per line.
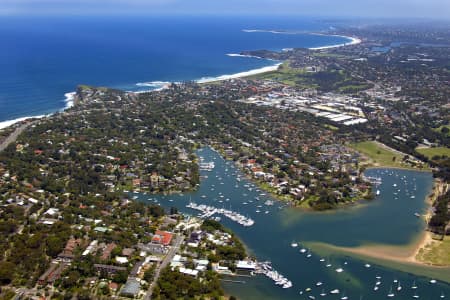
(240,74)
(159,85)
(70,98)
(353,41)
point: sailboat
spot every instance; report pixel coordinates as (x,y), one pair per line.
(323,294)
(344,297)
(399,287)
(391,294)
(442,296)
(414,286)
(415,296)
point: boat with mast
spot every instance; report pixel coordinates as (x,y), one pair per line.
(390,294)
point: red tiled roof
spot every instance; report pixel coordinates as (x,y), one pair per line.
(162,237)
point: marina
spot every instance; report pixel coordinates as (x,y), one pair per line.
(209,211)
(267,270)
(273,236)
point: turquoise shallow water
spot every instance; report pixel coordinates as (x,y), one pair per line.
(389,219)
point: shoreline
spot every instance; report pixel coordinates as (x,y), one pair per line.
(353,41)
(69,100)
(161,85)
(369,167)
(8,123)
(240,74)
(403,254)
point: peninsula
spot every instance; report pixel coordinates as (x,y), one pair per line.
(305,133)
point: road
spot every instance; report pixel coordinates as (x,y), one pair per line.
(163,264)
(13,136)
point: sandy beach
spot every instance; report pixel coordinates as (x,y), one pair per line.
(69,99)
(402,254)
(241,74)
(163,85)
(406,254)
(353,41)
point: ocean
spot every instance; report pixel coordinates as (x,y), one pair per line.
(44,59)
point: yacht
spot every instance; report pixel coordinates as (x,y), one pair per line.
(294,245)
(339,270)
(391,294)
(432,281)
(334,292)
(319,283)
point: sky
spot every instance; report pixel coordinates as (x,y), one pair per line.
(434,9)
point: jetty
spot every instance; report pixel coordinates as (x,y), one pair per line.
(266,269)
(208,211)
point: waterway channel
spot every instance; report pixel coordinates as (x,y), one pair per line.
(388,219)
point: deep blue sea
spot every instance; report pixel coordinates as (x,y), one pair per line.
(42,59)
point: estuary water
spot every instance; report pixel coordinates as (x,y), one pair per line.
(389,219)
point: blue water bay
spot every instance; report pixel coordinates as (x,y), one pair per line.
(42,59)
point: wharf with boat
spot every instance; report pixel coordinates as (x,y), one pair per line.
(265,268)
(208,211)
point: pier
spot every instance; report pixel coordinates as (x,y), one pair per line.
(209,211)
